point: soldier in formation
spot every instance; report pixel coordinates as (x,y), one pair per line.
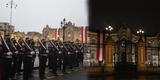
(43,55)
(61,56)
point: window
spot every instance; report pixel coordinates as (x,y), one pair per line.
(153,57)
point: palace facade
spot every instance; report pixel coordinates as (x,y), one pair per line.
(71,33)
(124,49)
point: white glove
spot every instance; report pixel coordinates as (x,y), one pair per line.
(76,51)
(59,52)
(69,52)
(16,52)
(9,53)
(32,52)
(47,51)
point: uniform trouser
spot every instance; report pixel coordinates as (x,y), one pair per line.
(19,62)
(2,69)
(14,66)
(33,60)
(64,64)
(27,61)
(42,65)
(53,63)
(59,61)
(50,61)
(54,68)
(77,60)
(7,68)
(70,59)
(81,58)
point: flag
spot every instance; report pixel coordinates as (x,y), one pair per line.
(100,46)
(57,33)
(145,58)
(84,31)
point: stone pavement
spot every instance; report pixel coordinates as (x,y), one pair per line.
(81,74)
(75,74)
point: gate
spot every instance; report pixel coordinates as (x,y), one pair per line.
(125,56)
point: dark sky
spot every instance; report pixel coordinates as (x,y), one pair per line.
(133,13)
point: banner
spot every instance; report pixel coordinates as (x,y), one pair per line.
(84,31)
(100,46)
(145,58)
(57,33)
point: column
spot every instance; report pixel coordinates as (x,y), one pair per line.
(141,56)
(109,52)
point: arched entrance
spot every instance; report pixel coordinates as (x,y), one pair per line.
(125,56)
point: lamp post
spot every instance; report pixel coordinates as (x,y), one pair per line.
(140,32)
(11,5)
(109,44)
(63,23)
(109,29)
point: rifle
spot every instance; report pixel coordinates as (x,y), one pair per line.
(64,46)
(13,45)
(53,44)
(27,45)
(5,43)
(42,44)
(72,46)
(19,44)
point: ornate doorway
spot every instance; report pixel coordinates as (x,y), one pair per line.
(125,56)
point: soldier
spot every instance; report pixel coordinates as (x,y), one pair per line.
(81,53)
(27,59)
(6,55)
(76,58)
(50,55)
(15,58)
(70,55)
(19,56)
(59,56)
(53,57)
(64,57)
(43,55)
(32,45)
(1,61)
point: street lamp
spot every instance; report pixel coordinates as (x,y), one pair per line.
(11,5)
(140,32)
(63,23)
(109,29)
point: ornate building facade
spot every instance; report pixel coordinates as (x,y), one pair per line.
(71,33)
(125,46)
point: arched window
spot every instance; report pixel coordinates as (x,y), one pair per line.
(93,41)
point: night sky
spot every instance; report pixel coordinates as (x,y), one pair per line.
(132,13)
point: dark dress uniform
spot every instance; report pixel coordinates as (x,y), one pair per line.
(6,56)
(19,56)
(53,59)
(43,55)
(27,61)
(1,62)
(70,57)
(50,56)
(64,59)
(76,58)
(32,45)
(15,58)
(59,60)
(61,57)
